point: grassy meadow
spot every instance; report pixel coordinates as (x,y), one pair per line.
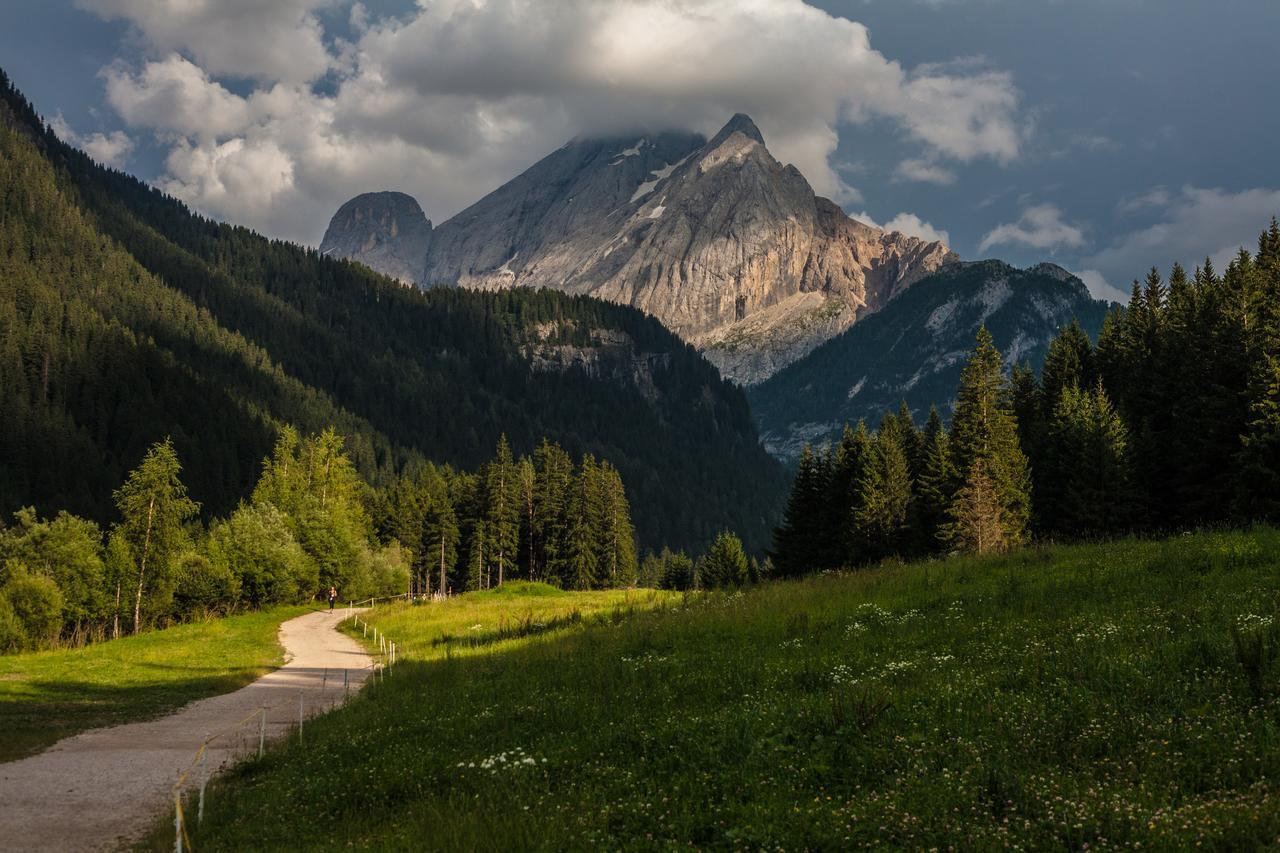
(1121,694)
(46,696)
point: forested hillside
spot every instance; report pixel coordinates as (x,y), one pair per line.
(914,347)
(126,318)
(1170,421)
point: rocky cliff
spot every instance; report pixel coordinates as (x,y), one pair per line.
(386,231)
(728,247)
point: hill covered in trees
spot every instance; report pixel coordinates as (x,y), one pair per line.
(126,318)
(1170,421)
(914,347)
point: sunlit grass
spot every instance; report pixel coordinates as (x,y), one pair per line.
(46,696)
(1113,695)
(500,619)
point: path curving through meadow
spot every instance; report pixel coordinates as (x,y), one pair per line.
(100,789)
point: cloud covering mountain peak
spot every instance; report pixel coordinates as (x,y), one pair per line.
(454,97)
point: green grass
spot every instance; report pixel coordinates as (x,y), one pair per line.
(1115,695)
(46,696)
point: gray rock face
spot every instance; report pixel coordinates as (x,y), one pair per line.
(725,245)
(386,231)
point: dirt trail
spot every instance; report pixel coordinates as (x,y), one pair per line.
(101,788)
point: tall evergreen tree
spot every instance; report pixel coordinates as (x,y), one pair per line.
(503,520)
(985,429)
(936,488)
(883,499)
(797,543)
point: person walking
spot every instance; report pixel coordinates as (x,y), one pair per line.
(333,596)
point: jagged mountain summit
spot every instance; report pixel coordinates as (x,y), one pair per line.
(386,231)
(915,349)
(728,247)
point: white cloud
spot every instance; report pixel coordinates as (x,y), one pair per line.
(271,40)
(1040,227)
(924,171)
(109,149)
(1156,197)
(174,96)
(909,224)
(1100,288)
(460,95)
(1198,223)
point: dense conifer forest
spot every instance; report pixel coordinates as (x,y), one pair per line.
(1170,421)
(126,319)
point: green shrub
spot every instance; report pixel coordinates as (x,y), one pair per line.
(12,636)
(37,602)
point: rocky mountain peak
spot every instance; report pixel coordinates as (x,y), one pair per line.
(740,123)
(386,231)
(728,247)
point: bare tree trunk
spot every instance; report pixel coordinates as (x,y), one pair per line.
(442,580)
(115,616)
(142,567)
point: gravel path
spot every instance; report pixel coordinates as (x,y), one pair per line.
(102,788)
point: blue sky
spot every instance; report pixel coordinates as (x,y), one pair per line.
(1104,135)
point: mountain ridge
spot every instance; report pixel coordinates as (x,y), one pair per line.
(724,244)
(914,349)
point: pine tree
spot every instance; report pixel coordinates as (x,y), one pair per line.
(553,487)
(618,546)
(153,506)
(797,543)
(883,499)
(502,488)
(1089,459)
(583,534)
(977,525)
(985,429)
(440,538)
(677,571)
(1258,494)
(840,543)
(937,486)
(725,563)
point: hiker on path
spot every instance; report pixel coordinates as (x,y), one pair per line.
(333,596)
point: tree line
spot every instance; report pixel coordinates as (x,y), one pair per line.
(310,523)
(539,518)
(1171,420)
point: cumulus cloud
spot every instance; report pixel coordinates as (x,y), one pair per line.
(274,40)
(456,97)
(109,149)
(1198,224)
(1100,288)
(1040,226)
(909,224)
(915,169)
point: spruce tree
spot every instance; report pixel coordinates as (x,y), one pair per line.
(936,489)
(797,542)
(502,488)
(883,499)
(725,563)
(841,544)
(977,525)
(985,429)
